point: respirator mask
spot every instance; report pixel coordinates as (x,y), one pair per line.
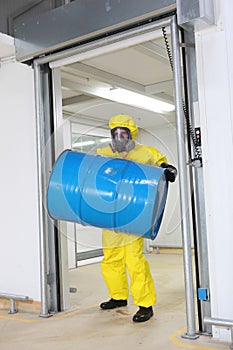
(122,140)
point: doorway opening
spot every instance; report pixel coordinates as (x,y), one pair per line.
(87,105)
(87,91)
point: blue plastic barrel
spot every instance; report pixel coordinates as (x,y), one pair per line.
(111,193)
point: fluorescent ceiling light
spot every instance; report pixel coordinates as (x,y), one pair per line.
(84,143)
(135,99)
(124,96)
(105,140)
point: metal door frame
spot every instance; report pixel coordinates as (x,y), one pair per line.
(91,49)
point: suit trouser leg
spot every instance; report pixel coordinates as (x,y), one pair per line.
(142,284)
(113,265)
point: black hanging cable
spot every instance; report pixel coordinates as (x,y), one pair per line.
(168,48)
(191,132)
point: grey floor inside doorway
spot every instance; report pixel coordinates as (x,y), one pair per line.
(85,326)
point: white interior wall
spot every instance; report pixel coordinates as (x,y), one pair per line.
(214,50)
(164,139)
(19,252)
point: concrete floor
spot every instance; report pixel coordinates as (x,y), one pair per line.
(85,326)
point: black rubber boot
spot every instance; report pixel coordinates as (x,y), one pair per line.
(112,304)
(143,314)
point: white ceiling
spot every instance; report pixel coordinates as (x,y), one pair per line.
(142,68)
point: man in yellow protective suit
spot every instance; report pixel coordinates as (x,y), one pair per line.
(125,250)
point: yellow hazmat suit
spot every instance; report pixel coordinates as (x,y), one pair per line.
(124,250)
